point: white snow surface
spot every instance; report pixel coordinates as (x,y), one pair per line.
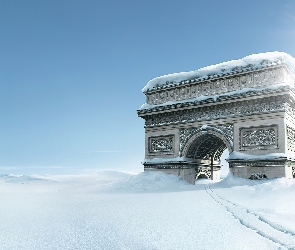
(256,61)
(150,210)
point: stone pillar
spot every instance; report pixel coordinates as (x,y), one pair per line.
(186,171)
(189,175)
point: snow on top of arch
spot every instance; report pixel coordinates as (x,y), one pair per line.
(250,62)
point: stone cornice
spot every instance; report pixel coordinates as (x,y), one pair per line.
(237,71)
(242,108)
(218,100)
(245,65)
(222,83)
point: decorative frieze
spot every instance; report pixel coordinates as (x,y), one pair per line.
(250,107)
(163,166)
(262,137)
(169,166)
(228,83)
(256,163)
(161,145)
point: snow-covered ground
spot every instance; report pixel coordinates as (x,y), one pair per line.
(115,210)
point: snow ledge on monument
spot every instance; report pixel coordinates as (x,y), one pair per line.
(166,160)
(242,156)
(254,61)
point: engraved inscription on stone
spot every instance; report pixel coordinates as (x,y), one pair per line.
(161,144)
(264,137)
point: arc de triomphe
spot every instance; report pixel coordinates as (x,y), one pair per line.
(246,106)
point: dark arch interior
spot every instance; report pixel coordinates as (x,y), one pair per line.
(205,147)
(206,150)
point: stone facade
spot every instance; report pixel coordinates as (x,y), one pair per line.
(250,112)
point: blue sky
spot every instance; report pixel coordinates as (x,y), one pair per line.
(71,72)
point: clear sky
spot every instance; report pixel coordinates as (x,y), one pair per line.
(71,72)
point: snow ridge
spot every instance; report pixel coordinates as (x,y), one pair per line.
(275,233)
(251,62)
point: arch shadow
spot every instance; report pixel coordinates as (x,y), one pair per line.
(205,148)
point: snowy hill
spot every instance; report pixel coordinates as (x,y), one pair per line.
(150,210)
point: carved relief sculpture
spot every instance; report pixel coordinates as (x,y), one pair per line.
(161,145)
(191,118)
(258,137)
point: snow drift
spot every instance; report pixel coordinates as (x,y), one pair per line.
(151,210)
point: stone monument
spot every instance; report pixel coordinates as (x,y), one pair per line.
(246,106)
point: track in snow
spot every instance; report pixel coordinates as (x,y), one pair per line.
(266,229)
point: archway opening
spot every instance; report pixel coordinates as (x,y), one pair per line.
(209,152)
